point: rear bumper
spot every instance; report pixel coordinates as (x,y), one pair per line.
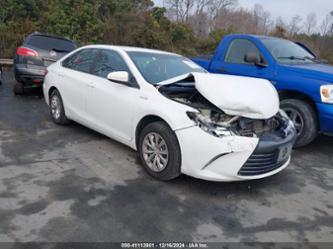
(29,75)
(325,117)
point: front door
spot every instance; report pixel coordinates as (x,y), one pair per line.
(110,104)
(234,60)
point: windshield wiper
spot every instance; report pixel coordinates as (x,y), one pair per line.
(318,60)
(300,58)
(292,58)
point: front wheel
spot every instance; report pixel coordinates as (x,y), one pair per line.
(304,118)
(159,151)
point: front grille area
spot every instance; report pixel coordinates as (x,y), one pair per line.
(261,163)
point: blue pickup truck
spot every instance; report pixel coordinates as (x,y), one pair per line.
(304,82)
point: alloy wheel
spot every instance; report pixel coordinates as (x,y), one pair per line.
(155,152)
(55,107)
(296,118)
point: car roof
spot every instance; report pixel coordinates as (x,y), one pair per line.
(49,35)
(255,36)
(129,49)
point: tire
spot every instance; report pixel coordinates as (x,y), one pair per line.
(308,117)
(56,108)
(172,165)
(1,73)
(18,88)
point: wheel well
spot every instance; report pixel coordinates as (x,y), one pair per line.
(144,122)
(51,90)
(286,94)
(297,95)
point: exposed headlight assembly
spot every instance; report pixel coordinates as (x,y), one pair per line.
(288,125)
(326,93)
(208,126)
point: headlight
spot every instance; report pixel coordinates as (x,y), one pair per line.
(208,126)
(326,93)
(288,125)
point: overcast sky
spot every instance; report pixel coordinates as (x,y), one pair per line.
(286,9)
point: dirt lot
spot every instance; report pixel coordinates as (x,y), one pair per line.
(72,184)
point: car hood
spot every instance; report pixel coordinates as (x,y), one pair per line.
(314,71)
(235,95)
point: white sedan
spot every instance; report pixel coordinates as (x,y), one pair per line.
(178,117)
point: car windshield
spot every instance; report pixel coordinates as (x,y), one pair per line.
(51,43)
(288,52)
(158,67)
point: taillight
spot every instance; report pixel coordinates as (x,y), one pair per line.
(45,72)
(26,52)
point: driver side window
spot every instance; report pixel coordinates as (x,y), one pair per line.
(108,61)
(238,49)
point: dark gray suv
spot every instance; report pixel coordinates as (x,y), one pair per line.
(37,52)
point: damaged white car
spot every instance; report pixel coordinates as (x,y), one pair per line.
(178,117)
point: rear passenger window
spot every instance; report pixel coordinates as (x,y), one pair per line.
(81,61)
(238,49)
(108,61)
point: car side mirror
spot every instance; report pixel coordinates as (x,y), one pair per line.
(121,77)
(254,58)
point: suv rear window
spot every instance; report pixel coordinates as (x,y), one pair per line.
(50,43)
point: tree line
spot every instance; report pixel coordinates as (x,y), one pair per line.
(188,27)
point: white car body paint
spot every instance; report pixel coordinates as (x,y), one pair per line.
(241,96)
(115,110)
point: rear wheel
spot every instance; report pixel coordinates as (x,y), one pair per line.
(56,108)
(304,118)
(159,151)
(18,88)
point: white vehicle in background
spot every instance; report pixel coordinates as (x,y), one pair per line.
(178,117)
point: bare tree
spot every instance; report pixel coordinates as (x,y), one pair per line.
(262,20)
(310,23)
(200,14)
(200,19)
(295,25)
(217,8)
(180,10)
(326,26)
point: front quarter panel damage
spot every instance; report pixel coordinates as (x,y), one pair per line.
(198,148)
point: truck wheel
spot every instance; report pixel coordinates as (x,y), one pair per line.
(18,88)
(304,118)
(159,151)
(57,110)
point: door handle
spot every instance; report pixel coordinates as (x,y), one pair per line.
(91,85)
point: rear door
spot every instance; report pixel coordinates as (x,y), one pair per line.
(75,81)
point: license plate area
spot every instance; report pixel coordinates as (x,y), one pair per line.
(284,153)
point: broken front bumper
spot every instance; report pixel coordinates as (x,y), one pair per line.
(233,158)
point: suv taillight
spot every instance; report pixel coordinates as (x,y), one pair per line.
(45,72)
(26,52)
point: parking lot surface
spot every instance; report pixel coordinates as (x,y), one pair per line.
(66,184)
